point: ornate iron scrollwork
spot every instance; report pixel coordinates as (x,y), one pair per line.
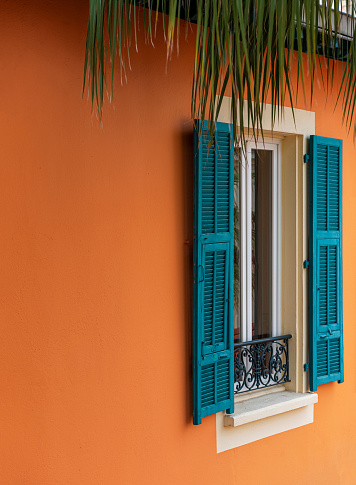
(261,363)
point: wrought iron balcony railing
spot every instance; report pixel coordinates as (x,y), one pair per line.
(261,363)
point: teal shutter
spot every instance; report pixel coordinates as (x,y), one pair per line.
(325,252)
(213,332)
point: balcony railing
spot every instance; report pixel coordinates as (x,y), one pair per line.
(261,363)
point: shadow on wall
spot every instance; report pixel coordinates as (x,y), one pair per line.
(187,138)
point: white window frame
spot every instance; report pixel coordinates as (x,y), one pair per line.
(246,237)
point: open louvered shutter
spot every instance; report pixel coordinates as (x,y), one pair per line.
(325,252)
(213,333)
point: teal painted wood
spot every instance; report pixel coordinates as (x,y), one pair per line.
(213,311)
(325,255)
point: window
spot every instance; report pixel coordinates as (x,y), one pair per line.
(273,256)
(257,242)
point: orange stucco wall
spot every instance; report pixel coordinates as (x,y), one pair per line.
(95,283)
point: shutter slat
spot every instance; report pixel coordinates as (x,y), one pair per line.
(325,254)
(213,338)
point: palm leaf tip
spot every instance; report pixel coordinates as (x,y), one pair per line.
(244,49)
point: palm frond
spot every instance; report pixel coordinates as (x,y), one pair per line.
(243,47)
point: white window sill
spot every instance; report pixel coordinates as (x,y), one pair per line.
(262,414)
(267,405)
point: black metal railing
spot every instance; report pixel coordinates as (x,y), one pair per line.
(261,363)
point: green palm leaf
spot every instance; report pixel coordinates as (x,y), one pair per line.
(244,46)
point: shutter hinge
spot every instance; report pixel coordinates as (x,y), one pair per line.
(306,158)
(306,367)
(306,264)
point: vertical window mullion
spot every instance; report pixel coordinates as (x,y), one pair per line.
(279,240)
(248,246)
(243,257)
(274,242)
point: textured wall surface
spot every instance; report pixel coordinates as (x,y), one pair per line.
(95,281)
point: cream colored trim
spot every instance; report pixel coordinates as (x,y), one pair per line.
(304,120)
(262,407)
(228,437)
(294,134)
(293,234)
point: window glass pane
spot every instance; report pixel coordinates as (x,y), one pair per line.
(237,231)
(253,243)
(261,173)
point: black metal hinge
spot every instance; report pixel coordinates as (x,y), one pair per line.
(306,367)
(306,264)
(306,158)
